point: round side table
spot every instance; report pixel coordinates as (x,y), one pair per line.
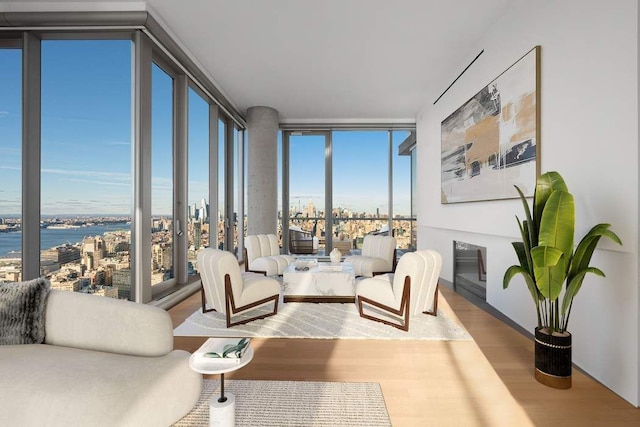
(220,407)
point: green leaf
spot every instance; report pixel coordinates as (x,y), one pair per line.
(575,284)
(586,247)
(549,268)
(557,223)
(545,185)
(515,270)
(521,252)
(529,225)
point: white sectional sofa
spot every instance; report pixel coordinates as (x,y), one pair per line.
(103,362)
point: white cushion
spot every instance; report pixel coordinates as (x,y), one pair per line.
(379,247)
(366,266)
(376,257)
(52,385)
(151,336)
(423,295)
(261,245)
(272,265)
(378,289)
(257,287)
(263,254)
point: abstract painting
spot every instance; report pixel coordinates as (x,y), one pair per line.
(491,142)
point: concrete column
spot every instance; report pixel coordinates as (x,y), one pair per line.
(262,170)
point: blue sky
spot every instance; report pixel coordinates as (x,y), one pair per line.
(86,140)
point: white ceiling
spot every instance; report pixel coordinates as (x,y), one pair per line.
(321,60)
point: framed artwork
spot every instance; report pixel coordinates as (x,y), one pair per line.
(492,142)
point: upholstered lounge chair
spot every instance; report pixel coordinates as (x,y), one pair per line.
(394,298)
(378,256)
(227,290)
(262,255)
(302,242)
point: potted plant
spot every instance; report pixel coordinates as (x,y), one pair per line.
(550,265)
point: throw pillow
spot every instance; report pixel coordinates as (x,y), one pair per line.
(22,306)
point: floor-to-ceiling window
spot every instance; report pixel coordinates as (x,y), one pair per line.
(306,184)
(363,178)
(10,162)
(360,186)
(105,158)
(161,175)
(402,221)
(198,227)
(86,165)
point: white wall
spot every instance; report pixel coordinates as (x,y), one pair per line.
(589,133)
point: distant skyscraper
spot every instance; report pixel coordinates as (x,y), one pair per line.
(311,210)
(205,209)
(197,235)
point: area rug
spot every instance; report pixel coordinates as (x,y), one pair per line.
(295,403)
(326,320)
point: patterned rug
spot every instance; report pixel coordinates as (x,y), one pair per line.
(326,320)
(295,403)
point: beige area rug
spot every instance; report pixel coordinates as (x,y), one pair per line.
(295,403)
(326,320)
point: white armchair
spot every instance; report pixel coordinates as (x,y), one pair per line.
(262,255)
(227,290)
(378,256)
(412,290)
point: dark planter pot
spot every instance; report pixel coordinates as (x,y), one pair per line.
(553,360)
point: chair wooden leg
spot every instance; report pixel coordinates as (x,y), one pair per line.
(404,309)
(232,309)
(435,303)
(204,301)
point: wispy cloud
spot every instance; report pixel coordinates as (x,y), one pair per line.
(111,183)
(118,143)
(3,113)
(89,174)
(8,150)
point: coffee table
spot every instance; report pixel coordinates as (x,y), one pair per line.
(315,285)
(221,409)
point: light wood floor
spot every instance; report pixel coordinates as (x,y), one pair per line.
(485,382)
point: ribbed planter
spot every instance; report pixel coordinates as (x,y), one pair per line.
(553,359)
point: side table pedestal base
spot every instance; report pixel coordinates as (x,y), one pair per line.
(222,414)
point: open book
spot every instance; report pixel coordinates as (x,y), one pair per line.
(223,350)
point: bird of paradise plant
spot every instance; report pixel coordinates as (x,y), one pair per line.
(548,261)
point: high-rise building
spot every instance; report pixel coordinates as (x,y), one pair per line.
(197,236)
(204,210)
(62,254)
(121,280)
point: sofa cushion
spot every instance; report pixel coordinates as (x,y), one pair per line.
(272,265)
(61,386)
(106,324)
(366,265)
(22,311)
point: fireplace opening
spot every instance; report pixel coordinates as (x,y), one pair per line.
(469,270)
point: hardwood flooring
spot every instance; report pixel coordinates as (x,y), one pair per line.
(487,381)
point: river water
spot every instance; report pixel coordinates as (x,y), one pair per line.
(11,243)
